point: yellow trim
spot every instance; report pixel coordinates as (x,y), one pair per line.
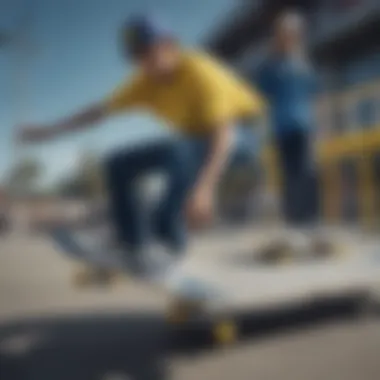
(367,191)
(269,161)
(330,190)
(350,143)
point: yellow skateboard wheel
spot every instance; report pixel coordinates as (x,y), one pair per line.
(225,332)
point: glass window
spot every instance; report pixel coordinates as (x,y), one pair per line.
(367,112)
(324,116)
(376,167)
(350,189)
(350,119)
(361,70)
(339,118)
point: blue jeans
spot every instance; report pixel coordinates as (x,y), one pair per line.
(180,161)
(300,187)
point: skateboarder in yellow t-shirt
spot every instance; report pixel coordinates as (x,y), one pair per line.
(203,101)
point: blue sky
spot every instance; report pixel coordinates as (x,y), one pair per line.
(75,61)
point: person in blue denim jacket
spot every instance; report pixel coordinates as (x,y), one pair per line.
(289,83)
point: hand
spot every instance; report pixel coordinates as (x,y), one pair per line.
(35,134)
(200,206)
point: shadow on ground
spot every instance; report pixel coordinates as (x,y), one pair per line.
(138,345)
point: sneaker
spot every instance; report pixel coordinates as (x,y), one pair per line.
(136,264)
(146,265)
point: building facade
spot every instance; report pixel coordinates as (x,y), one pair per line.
(344,42)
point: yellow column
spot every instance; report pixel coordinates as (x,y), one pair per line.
(366,191)
(272,173)
(330,193)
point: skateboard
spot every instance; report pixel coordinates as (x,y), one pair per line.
(217,290)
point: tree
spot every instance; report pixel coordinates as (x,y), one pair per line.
(86,181)
(22,179)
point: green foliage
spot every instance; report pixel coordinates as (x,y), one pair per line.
(23,177)
(86,181)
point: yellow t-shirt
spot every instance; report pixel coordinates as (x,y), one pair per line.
(201,95)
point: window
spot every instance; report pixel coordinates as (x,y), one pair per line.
(377,107)
(339,118)
(376,164)
(367,112)
(350,190)
(324,116)
(363,69)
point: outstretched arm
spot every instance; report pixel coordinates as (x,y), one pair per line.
(85,118)
(122,99)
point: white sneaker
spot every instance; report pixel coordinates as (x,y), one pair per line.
(162,262)
(137,264)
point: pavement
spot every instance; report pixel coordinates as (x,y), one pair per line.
(52,330)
